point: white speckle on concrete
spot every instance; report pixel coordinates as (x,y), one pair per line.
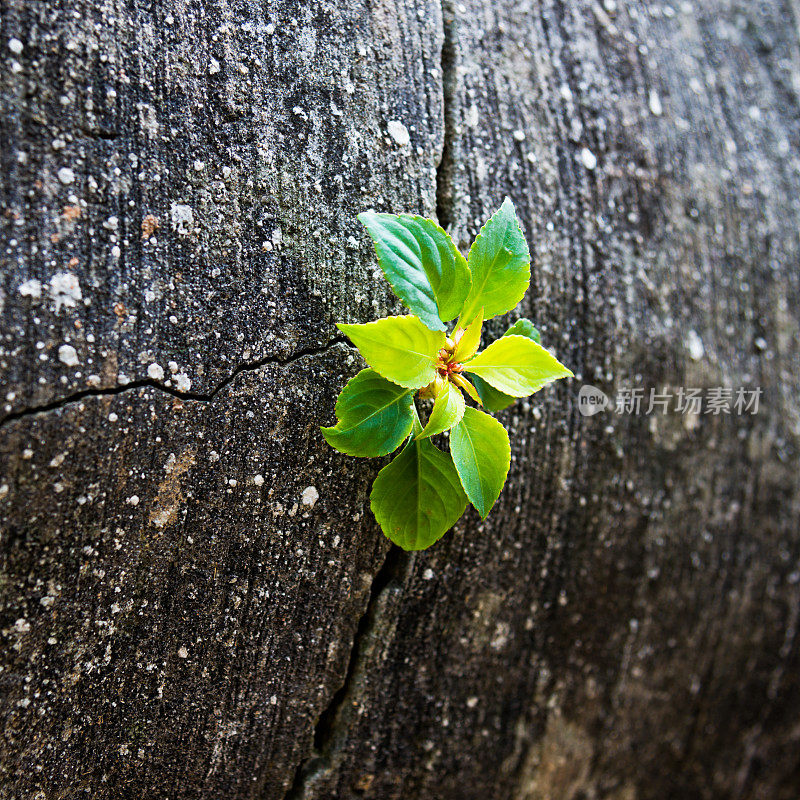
(199,166)
(22,625)
(4,490)
(182,218)
(502,633)
(588,158)
(656,109)
(31,288)
(694,344)
(66,176)
(112,417)
(65,289)
(472,116)
(161,519)
(15,46)
(519,135)
(133,500)
(309,496)
(47,601)
(428,575)
(182,382)
(213,67)
(67,355)
(258,480)
(155,371)
(398,132)
(183,652)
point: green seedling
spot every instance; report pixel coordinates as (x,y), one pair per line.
(420,495)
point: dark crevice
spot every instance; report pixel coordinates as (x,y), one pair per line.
(333,723)
(445,170)
(97,133)
(204,397)
(392,564)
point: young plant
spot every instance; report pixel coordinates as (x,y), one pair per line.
(423,491)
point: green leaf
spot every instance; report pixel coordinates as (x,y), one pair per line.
(418,497)
(482,455)
(448,408)
(500,264)
(423,266)
(401,349)
(466,386)
(494,400)
(374,416)
(517,366)
(524,327)
(470,340)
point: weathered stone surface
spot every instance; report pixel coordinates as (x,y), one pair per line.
(622,626)
(182,181)
(624,623)
(180,186)
(177,601)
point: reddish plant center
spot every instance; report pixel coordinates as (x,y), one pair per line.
(445,367)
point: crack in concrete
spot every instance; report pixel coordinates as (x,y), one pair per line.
(203,397)
(335,721)
(337,718)
(445,169)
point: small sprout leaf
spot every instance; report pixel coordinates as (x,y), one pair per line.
(470,340)
(448,408)
(418,497)
(493,400)
(401,349)
(516,366)
(524,327)
(500,263)
(423,266)
(463,383)
(482,454)
(374,416)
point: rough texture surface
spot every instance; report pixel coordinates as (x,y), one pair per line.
(183,616)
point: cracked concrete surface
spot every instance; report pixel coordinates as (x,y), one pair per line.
(181,395)
(179,186)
